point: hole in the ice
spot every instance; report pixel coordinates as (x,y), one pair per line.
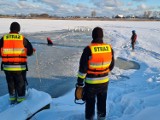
(125,64)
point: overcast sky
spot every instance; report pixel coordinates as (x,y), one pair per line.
(79,7)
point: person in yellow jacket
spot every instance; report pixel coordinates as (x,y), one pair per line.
(14,51)
(96,61)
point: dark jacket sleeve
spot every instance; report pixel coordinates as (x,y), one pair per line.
(83,64)
(29,47)
(112,63)
(83,67)
(1,45)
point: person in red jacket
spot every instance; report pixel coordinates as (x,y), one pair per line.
(96,61)
(49,41)
(133,39)
(14,51)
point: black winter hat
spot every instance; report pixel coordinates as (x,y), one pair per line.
(14,27)
(97,33)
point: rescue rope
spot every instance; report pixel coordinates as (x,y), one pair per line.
(37,63)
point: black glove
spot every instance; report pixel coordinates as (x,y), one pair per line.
(79,82)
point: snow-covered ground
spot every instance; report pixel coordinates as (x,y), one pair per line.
(134,87)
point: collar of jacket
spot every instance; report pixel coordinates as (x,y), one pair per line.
(97,40)
(13,32)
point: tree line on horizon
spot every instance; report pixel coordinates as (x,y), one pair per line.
(146,15)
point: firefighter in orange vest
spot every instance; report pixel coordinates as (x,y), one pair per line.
(96,61)
(14,51)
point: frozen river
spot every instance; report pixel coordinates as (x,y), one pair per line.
(51,69)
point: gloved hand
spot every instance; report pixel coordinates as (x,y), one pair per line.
(78,92)
(34,50)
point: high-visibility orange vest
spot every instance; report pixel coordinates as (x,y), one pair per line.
(14,52)
(101,57)
(98,64)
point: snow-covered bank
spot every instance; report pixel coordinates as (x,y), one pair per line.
(25,109)
(133,93)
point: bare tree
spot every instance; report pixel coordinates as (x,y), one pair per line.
(156,14)
(147,14)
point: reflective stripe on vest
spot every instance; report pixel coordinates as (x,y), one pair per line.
(81,75)
(98,80)
(14,67)
(7,51)
(13,50)
(101,57)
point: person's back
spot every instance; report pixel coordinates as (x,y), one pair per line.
(96,62)
(14,51)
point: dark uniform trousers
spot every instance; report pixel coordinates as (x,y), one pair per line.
(93,91)
(16,82)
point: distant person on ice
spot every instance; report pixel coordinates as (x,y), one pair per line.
(96,61)
(14,51)
(133,39)
(49,41)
